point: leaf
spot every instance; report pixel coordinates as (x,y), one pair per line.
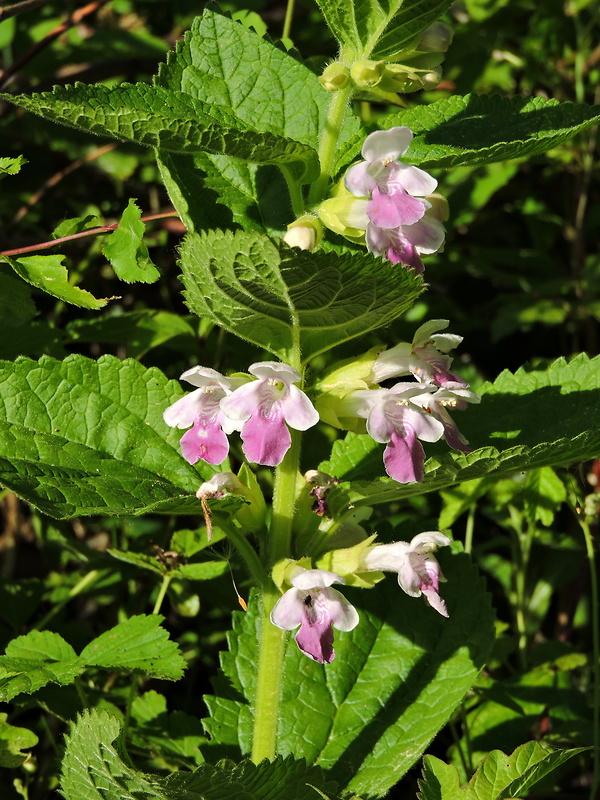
(480,129)
(403,668)
(220,61)
(33,660)
(167,120)
(127,253)
(279,298)
(93,769)
(83,437)
(48,274)
(12,741)
(549,414)
(139,643)
(378,30)
(10,166)
(498,777)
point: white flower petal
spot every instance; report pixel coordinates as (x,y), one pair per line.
(298,411)
(428,541)
(342,614)
(288,612)
(314,578)
(384,145)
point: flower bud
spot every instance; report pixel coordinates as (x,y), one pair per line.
(306,232)
(335,77)
(367,74)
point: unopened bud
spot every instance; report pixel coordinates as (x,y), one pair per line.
(367,74)
(306,232)
(335,77)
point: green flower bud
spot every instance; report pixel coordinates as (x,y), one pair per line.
(335,77)
(348,563)
(367,74)
(345,377)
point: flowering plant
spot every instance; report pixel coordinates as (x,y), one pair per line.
(293,484)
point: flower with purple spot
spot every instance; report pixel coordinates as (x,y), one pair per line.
(426,357)
(263,409)
(450,396)
(207,439)
(313,605)
(393,418)
(419,573)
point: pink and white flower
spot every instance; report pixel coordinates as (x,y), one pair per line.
(201,409)
(394,216)
(419,573)
(426,357)
(453,396)
(263,409)
(393,418)
(315,607)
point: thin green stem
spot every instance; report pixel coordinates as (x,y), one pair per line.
(81,692)
(167,578)
(591,554)
(329,141)
(82,584)
(287,23)
(469,530)
(250,556)
(295,191)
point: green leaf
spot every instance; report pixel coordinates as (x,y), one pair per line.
(220,61)
(10,166)
(480,129)
(279,298)
(127,253)
(168,120)
(84,437)
(139,643)
(403,668)
(378,30)
(498,777)
(48,274)
(12,741)
(549,416)
(33,660)
(93,769)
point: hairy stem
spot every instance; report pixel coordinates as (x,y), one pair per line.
(329,141)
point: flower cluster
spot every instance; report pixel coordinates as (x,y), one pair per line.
(260,409)
(315,608)
(409,412)
(393,203)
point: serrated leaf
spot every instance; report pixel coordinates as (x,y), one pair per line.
(403,668)
(378,30)
(92,769)
(12,741)
(139,643)
(277,298)
(549,415)
(480,129)
(10,166)
(33,660)
(48,274)
(84,437)
(220,61)
(126,251)
(498,777)
(167,120)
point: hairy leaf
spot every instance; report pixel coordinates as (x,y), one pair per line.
(93,769)
(479,129)
(83,437)
(278,299)
(33,660)
(395,681)
(378,30)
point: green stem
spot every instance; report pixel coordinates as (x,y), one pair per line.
(329,141)
(250,556)
(167,578)
(469,530)
(287,23)
(272,640)
(81,692)
(77,589)
(589,546)
(295,191)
